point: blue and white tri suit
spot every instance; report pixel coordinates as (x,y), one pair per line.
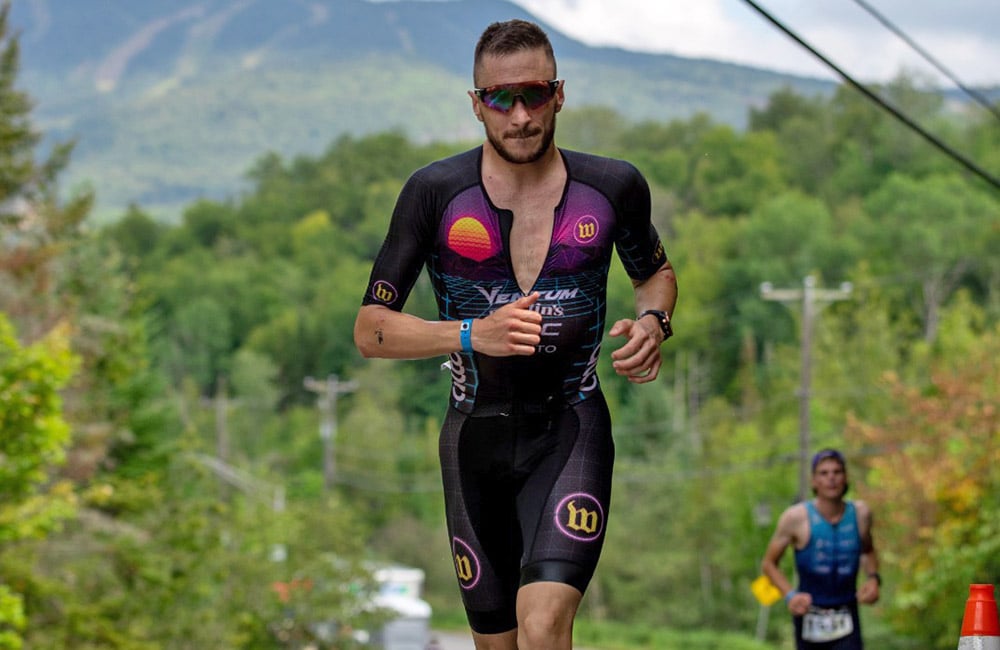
(827,567)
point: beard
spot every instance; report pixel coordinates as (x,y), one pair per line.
(547,131)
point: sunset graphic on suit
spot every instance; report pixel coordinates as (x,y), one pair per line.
(469,238)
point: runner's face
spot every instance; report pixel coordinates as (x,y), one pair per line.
(521,135)
(829,479)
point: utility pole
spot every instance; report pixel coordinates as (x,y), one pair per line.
(327,392)
(813,300)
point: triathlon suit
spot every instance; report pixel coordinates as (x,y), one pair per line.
(526,449)
(828,571)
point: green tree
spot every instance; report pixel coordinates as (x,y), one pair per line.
(22,177)
(735,172)
(591,128)
(934,477)
(802,127)
(868,144)
(668,155)
(34,441)
(933,234)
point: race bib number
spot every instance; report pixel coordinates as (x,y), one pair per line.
(821,625)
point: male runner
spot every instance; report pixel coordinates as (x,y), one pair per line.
(832,538)
(517,237)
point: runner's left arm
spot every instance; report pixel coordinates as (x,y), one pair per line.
(871,584)
(639,358)
(653,279)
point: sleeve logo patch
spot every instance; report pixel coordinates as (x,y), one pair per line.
(384,292)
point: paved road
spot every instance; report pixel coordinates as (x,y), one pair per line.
(452,640)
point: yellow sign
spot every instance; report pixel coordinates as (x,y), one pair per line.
(764,591)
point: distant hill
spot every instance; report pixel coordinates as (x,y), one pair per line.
(171,100)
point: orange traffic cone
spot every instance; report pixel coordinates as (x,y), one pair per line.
(980,625)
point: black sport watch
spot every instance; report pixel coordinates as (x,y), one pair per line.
(662,319)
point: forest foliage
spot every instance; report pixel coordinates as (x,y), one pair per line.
(162,475)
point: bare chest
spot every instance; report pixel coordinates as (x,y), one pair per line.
(530,238)
(531,229)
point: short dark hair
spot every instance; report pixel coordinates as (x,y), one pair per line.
(510,36)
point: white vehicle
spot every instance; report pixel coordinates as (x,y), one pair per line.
(400,589)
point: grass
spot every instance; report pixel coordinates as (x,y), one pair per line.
(604,635)
(623,636)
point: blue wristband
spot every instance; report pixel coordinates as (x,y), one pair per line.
(790,595)
(465,335)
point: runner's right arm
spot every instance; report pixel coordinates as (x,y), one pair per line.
(514,329)
(784,536)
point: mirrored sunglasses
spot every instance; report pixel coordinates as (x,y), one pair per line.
(534,94)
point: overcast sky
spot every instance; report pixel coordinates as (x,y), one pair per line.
(963,36)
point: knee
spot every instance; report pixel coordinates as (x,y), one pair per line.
(544,628)
(545,613)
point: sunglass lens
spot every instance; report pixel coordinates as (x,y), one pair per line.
(499,99)
(502,98)
(535,96)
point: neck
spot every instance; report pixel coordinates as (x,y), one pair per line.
(829,508)
(520,174)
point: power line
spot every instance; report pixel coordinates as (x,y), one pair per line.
(971,92)
(899,115)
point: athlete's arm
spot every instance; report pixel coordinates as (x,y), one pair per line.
(514,329)
(868,593)
(785,535)
(382,329)
(659,291)
(639,358)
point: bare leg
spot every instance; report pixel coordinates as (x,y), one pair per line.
(502,641)
(545,614)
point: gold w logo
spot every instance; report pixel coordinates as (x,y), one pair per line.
(586,230)
(463,567)
(384,293)
(581,519)
(659,253)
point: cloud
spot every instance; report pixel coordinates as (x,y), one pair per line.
(960,34)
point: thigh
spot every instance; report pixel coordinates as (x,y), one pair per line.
(853,640)
(481,517)
(563,506)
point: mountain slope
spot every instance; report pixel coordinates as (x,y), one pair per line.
(174,99)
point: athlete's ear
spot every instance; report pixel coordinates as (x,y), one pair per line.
(560,97)
(476,107)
